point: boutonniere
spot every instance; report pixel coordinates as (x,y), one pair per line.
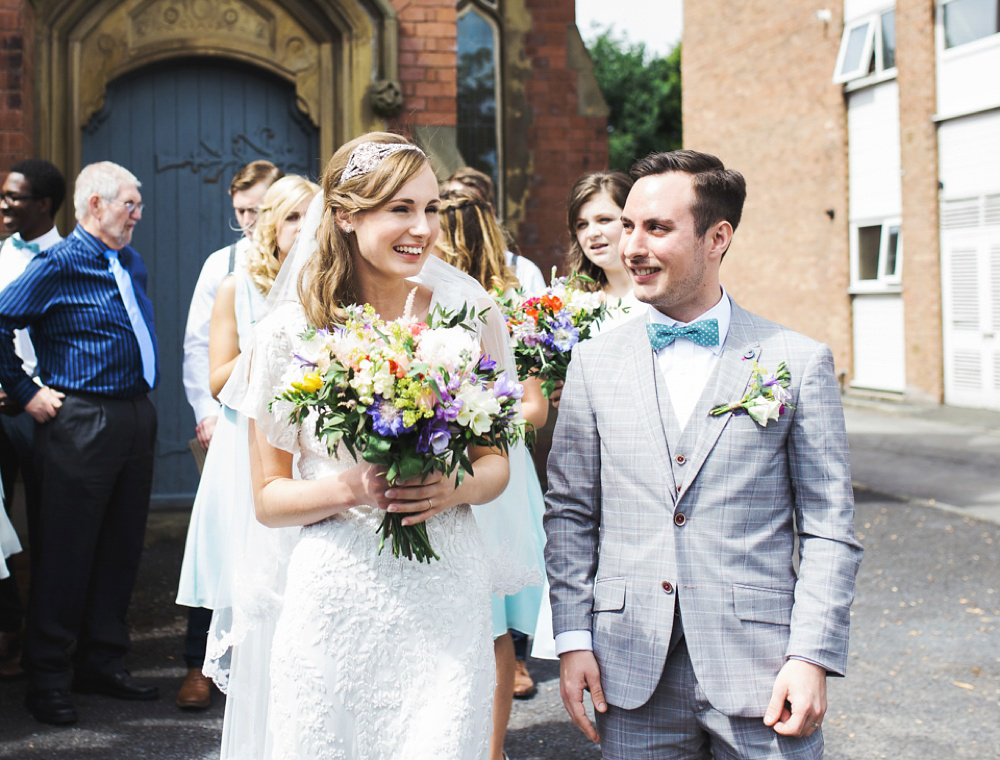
(766,398)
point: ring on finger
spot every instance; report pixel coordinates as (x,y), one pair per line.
(430,504)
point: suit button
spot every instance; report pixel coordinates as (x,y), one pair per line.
(681,459)
(667,587)
(679,519)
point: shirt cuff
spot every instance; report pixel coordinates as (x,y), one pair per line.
(574,641)
(207,407)
(805,659)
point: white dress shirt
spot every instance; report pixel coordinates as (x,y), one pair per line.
(685,367)
(213,272)
(528,274)
(13,261)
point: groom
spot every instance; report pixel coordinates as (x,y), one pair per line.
(676,597)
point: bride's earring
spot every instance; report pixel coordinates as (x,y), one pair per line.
(348,229)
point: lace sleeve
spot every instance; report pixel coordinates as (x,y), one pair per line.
(263,371)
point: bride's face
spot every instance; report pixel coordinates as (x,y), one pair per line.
(395,238)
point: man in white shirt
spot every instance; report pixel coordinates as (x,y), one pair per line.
(29,199)
(247,189)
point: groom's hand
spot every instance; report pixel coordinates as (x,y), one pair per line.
(579,671)
(798,700)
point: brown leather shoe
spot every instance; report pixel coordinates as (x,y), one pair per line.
(524,686)
(196,691)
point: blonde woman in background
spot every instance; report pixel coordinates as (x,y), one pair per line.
(472,241)
(222,501)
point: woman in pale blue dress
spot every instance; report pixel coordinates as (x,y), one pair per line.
(471,241)
(223,491)
(8,540)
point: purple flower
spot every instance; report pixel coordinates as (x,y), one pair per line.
(448,410)
(303,362)
(434,437)
(486,364)
(386,418)
(505,387)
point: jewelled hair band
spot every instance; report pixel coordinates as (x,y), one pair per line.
(368,155)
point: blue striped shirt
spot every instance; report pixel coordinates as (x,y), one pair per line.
(84,340)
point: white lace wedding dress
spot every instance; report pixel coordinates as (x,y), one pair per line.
(372,657)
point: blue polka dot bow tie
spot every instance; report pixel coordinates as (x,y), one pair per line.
(704,333)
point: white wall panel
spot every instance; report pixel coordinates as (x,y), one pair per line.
(855,9)
(873,152)
(967,77)
(879,360)
(969,155)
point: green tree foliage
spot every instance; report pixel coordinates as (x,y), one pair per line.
(644,97)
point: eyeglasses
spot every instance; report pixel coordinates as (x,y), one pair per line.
(14,198)
(130,206)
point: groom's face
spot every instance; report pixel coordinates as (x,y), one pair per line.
(670,265)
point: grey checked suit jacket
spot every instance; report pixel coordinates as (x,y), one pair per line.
(613,541)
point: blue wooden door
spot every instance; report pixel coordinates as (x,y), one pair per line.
(184,128)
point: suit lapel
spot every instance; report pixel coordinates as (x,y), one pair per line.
(728,383)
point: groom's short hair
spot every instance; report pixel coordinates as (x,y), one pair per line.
(718,192)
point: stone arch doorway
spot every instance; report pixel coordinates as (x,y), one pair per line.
(184,127)
(98,58)
(331,51)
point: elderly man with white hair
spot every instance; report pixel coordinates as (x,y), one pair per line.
(92,323)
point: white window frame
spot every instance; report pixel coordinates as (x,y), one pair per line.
(988,40)
(860,76)
(884,282)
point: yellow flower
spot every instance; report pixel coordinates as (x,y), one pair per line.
(310,383)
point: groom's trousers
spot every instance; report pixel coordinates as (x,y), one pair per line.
(679,723)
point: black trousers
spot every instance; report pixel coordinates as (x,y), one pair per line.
(16,435)
(95,467)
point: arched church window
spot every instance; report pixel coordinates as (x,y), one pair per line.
(479,90)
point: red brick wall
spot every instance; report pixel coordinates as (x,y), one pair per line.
(16,79)
(427,63)
(757,92)
(562,144)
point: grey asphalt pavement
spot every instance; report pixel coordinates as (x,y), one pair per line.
(924,679)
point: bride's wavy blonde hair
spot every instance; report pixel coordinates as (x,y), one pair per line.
(327,283)
(281,199)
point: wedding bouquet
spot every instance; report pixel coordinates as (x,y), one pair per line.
(545,328)
(409,395)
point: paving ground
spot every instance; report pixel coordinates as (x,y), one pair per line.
(924,678)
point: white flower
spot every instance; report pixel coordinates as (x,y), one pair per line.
(763,409)
(450,348)
(479,407)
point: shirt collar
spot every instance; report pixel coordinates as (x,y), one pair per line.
(92,243)
(722,311)
(47,240)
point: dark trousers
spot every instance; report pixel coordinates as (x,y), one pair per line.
(196,639)
(16,435)
(95,467)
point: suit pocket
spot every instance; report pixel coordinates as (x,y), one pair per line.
(763,605)
(609,595)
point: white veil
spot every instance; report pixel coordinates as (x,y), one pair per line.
(240,637)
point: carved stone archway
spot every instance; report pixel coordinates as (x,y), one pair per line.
(331,50)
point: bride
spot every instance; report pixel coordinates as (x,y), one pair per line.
(371,657)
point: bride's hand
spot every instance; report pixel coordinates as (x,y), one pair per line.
(418,499)
(370,485)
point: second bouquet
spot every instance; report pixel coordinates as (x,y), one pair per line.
(409,395)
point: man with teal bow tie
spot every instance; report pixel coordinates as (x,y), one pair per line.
(31,195)
(678,597)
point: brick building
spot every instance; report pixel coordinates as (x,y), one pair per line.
(868,132)
(183,92)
